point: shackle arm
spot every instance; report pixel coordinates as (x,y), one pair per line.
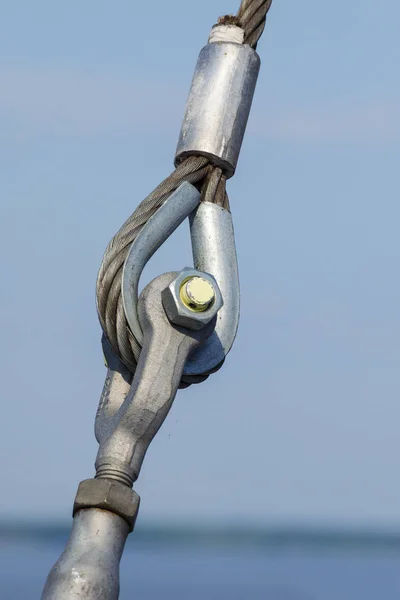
(127,420)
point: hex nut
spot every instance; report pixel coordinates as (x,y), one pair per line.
(110,495)
(178,313)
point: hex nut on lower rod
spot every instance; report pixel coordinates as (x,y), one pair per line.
(106,494)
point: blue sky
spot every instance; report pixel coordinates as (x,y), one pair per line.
(302,423)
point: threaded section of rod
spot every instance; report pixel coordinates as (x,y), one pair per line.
(106,472)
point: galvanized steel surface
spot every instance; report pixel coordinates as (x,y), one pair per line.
(88,569)
(116,388)
(178,313)
(251,18)
(110,495)
(129,416)
(214,251)
(109,281)
(157,229)
(128,432)
(219,104)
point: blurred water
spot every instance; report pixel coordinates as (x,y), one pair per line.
(150,571)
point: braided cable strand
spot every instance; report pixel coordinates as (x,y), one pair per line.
(196,170)
(251,17)
(109,280)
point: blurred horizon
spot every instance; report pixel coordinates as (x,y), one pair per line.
(227,527)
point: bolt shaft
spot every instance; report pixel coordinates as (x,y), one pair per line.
(197,294)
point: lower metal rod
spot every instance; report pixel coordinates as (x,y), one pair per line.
(88,569)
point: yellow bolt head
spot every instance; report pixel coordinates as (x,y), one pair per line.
(197,294)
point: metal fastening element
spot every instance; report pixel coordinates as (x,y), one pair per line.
(183,325)
(192,300)
(211,228)
(108,495)
(219,104)
(127,420)
(127,423)
(157,229)
(197,294)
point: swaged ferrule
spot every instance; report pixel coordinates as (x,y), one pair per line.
(219,104)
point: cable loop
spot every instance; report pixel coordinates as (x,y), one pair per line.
(209,179)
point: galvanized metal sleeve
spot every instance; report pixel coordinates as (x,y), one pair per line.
(219,104)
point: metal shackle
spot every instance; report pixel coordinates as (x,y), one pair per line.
(219,104)
(211,230)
